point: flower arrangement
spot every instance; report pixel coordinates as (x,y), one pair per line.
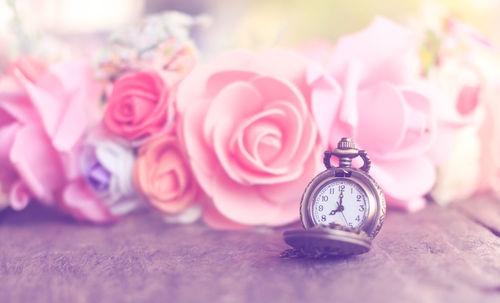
(237,138)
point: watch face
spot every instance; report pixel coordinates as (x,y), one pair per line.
(340,201)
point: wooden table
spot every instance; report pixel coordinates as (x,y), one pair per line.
(439,254)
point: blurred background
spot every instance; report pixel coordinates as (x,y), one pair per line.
(252,24)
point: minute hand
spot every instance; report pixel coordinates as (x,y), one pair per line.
(341,208)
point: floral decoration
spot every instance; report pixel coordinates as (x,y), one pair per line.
(236,138)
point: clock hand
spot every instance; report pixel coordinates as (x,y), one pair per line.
(340,206)
(345,220)
(334,211)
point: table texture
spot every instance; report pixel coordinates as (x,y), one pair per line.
(440,254)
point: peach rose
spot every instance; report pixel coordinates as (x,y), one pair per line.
(163,176)
(249,135)
(138,106)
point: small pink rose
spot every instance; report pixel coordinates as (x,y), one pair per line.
(163,175)
(139,106)
(249,135)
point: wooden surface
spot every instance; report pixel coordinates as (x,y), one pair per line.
(437,255)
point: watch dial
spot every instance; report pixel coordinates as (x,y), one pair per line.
(340,201)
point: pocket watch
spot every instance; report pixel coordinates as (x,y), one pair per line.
(342,209)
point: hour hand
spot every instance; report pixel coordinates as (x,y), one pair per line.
(334,211)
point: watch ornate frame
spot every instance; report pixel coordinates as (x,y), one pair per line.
(376,199)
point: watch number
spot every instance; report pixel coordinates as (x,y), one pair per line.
(358,197)
(324,198)
(320,208)
(323,218)
(361,207)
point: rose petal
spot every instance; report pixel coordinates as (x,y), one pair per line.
(279,90)
(163,177)
(382,118)
(216,220)
(31,67)
(282,64)
(348,114)
(63,123)
(244,205)
(193,88)
(141,108)
(119,161)
(37,163)
(382,49)
(405,179)
(7,137)
(468,99)
(82,204)
(263,140)
(75,120)
(421,125)
(234,102)
(218,81)
(123,206)
(289,191)
(325,102)
(19,196)
(202,158)
(236,167)
(15,102)
(190,215)
(411,205)
(288,122)
(48,107)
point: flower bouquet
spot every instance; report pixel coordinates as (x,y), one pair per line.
(235,139)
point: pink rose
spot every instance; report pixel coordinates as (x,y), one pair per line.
(249,135)
(41,128)
(163,175)
(371,96)
(139,106)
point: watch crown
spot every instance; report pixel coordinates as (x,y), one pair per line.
(346,143)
